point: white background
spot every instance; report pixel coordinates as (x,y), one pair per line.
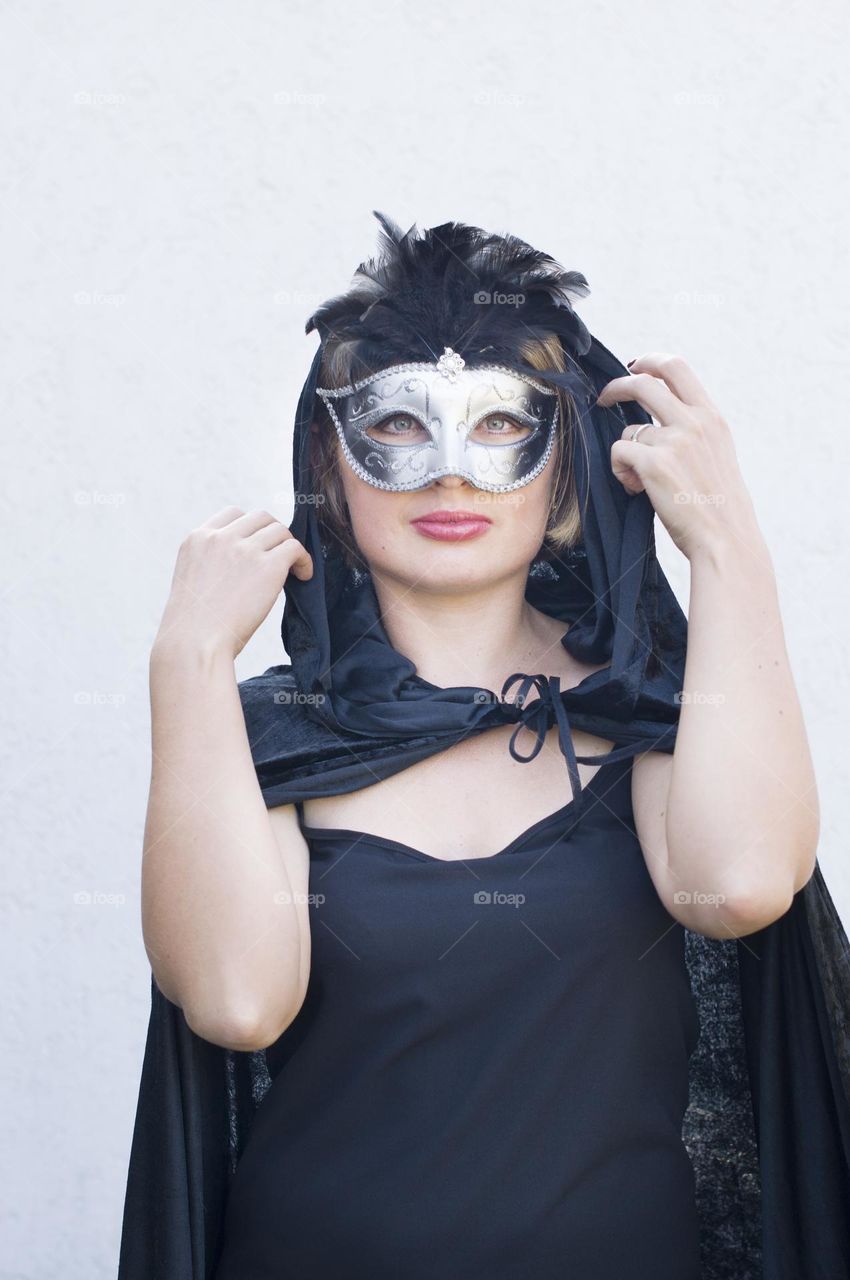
(181,185)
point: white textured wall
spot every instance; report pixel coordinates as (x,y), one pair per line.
(180,185)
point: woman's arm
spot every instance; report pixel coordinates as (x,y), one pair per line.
(730,824)
(743,808)
(224,883)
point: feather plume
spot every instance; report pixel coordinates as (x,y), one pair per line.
(453,285)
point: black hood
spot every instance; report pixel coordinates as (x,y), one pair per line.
(609,587)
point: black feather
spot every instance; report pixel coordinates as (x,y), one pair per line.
(456,286)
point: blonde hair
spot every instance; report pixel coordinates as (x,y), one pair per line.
(563,526)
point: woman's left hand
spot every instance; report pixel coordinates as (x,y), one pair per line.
(687,464)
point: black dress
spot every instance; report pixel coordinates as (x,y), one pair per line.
(488,1075)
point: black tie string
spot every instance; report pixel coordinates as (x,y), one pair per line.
(537,716)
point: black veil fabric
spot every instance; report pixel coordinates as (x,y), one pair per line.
(768,1121)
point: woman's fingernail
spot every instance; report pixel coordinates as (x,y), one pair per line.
(629,363)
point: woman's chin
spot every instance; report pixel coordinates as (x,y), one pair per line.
(450,567)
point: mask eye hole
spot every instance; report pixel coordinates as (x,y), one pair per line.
(500,428)
(401,428)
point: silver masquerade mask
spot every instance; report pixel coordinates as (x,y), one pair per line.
(405,426)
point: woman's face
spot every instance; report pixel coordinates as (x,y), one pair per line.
(396,539)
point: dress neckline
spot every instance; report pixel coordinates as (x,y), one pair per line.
(399,846)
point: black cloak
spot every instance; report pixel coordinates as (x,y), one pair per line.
(768,1121)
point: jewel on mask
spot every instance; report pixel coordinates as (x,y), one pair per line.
(450,364)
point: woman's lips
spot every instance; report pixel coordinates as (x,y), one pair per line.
(451,526)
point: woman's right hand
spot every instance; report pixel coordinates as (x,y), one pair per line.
(228,575)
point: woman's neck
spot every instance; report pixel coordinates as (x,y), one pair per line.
(470,638)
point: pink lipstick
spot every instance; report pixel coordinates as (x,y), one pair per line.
(451,526)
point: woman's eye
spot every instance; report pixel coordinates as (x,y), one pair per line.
(401,429)
(500,427)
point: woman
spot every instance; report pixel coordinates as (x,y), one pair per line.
(469,993)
